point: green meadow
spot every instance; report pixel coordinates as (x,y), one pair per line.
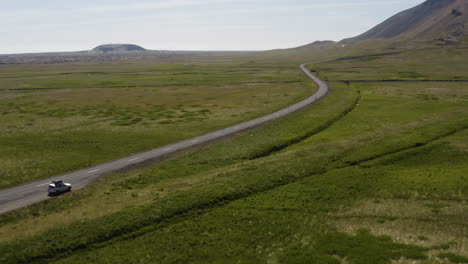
(58,118)
(373,173)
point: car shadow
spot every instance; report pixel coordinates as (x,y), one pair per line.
(58,194)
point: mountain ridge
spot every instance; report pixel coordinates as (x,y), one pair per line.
(433,18)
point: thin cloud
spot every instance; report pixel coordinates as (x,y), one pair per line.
(162,5)
(334,5)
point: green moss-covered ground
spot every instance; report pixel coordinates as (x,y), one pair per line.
(374,173)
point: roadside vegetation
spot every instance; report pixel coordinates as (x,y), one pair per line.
(373,173)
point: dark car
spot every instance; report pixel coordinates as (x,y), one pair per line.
(59,187)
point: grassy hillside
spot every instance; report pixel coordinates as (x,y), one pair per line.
(374,173)
(61,117)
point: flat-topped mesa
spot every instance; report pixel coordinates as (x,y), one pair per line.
(118,48)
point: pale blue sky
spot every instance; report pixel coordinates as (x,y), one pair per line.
(61,25)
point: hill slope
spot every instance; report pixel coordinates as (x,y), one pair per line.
(431,18)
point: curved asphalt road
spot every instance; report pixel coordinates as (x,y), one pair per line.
(30,193)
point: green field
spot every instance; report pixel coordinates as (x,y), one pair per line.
(57,118)
(373,173)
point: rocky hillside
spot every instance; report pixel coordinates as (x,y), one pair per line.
(443,19)
(118,48)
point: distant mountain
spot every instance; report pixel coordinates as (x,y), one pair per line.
(446,19)
(118,48)
(318,45)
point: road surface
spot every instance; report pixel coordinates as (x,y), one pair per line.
(31,193)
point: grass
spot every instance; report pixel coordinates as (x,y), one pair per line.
(266,211)
(85,119)
(454,258)
(174,172)
(300,189)
(365,248)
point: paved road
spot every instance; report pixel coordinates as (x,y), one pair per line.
(30,193)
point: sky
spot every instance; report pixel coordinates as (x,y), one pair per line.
(61,25)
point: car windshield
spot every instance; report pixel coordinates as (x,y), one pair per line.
(58,183)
